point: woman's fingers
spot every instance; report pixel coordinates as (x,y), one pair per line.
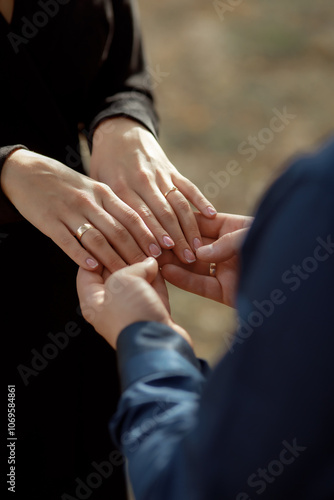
(95,242)
(134,201)
(166,212)
(71,246)
(155,211)
(116,236)
(176,218)
(185,217)
(195,196)
(126,230)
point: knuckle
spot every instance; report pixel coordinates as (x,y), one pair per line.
(131,217)
(78,253)
(120,233)
(81,199)
(137,257)
(65,240)
(118,186)
(102,189)
(97,239)
(113,263)
(182,205)
(144,177)
(166,214)
(145,214)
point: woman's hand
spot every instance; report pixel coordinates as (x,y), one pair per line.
(222,238)
(57,200)
(128,158)
(113,302)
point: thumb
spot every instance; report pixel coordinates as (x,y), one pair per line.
(226,247)
(147,269)
(87,281)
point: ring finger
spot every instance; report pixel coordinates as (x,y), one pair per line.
(95,241)
(149,219)
(187,223)
(166,216)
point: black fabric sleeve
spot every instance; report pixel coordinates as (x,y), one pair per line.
(123,86)
(8,212)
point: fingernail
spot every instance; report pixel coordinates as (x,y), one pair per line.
(189,256)
(168,241)
(197,243)
(211,211)
(155,250)
(91,263)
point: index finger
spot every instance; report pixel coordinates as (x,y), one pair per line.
(199,284)
(225,222)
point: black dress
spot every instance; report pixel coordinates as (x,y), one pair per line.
(65,64)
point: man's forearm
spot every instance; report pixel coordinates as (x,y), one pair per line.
(162,381)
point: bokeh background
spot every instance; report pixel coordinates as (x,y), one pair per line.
(219,69)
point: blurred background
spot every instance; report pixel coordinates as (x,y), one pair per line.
(222,70)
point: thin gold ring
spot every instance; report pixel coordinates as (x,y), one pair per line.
(213,269)
(173,188)
(82,229)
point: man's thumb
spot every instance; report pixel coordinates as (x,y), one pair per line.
(148,269)
(223,249)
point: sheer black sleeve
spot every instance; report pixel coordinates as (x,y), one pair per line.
(123,85)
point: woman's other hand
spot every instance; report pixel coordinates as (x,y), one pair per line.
(57,200)
(128,158)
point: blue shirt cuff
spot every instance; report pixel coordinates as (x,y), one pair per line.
(142,351)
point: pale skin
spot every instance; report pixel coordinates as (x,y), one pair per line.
(124,199)
(128,158)
(222,238)
(111,302)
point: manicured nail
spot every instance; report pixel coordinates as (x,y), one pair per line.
(168,241)
(211,211)
(197,243)
(155,250)
(91,263)
(189,256)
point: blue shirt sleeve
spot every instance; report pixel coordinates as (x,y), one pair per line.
(261,424)
(162,381)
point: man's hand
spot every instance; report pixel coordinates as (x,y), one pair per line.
(222,238)
(135,293)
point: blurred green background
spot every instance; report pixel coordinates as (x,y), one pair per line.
(219,72)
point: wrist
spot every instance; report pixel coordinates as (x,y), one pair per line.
(116,142)
(10,171)
(181,331)
(114,129)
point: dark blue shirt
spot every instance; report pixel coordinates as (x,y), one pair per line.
(261,425)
